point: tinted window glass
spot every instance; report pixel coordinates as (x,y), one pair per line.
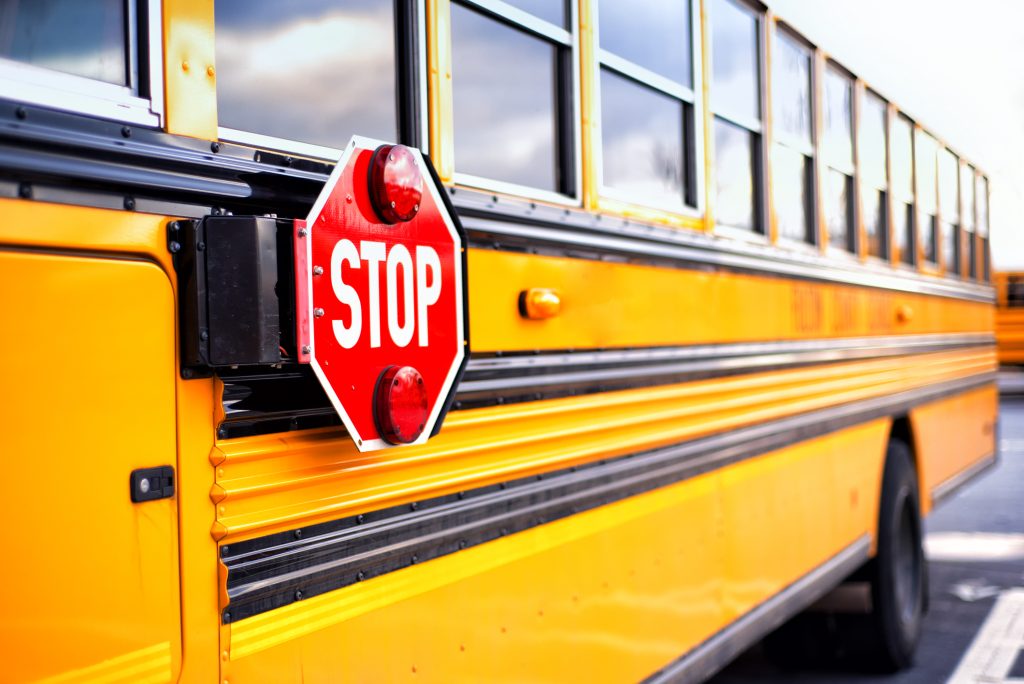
(503,83)
(874,222)
(981,195)
(925,155)
(654,34)
(552,11)
(642,140)
(929,237)
(276,60)
(1015,291)
(734,60)
(949,192)
(902,227)
(790,183)
(792,88)
(872,141)
(734,164)
(902,158)
(838,119)
(837,209)
(950,253)
(74,36)
(967,196)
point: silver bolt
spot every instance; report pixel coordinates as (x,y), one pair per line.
(392,205)
(416,208)
(303,232)
(318,270)
(144,485)
(306,349)
(318,312)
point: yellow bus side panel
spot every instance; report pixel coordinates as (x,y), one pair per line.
(625,588)
(623,305)
(1010,335)
(273,483)
(89,581)
(953,434)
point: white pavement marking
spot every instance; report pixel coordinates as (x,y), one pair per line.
(973,546)
(995,648)
(1006,445)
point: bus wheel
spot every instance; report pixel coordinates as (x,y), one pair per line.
(898,573)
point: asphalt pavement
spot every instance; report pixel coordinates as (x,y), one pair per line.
(974,631)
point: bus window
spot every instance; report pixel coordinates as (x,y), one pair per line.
(968,204)
(981,193)
(275,60)
(1015,291)
(837,151)
(84,57)
(736,103)
(949,206)
(511,98)
(927,199)
(875,182)
(794,145)
(903,189)
(647,102)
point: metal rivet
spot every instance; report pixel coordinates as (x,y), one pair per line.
(201,246)
(415,559)
(303,232)
(184,66)
(360,518)
(227,617)
(222,433)
(204,336)
(297,534)
(360,576)
(186,373)
(126,131)
(175,247)
(298,594)
(414,506)
(318,270)
(20,113)
(210,71)
(144,485)
(393,205)
(318,312)
(129,203)
(306,349)
(215,146)
(224,550)
(25,191)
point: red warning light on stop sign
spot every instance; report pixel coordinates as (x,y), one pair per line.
(380,282)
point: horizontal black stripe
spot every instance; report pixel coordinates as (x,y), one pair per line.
(274,400)
(275,570)
(93,162)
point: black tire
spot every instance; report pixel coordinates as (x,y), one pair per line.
(898,574)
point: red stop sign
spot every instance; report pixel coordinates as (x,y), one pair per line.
(380,281)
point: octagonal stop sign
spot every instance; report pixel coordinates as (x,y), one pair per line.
(380,283)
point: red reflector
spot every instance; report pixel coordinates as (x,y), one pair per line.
(400,404)
(396,184)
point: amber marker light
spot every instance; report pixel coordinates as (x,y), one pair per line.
(396,183)
(400,404)
(539,303)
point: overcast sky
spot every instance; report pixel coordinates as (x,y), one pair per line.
(956,66)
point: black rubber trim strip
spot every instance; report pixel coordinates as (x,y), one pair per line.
(711,656)
(142,165)
(278,400)
(279,569)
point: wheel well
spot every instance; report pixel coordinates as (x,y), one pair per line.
(902,431)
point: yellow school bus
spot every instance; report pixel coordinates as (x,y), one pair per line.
(1010,317)
(730,326)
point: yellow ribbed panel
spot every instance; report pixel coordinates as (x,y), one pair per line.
(1010,335)
(609,595)
(277,482)
(146,666)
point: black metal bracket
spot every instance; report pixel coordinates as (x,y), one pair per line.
(236,302)
(149,484)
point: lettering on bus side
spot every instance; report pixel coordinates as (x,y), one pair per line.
(808,305)
(408,303)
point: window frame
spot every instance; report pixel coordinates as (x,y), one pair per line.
(810,151)
(955,216)
(569,109)
(757,128)
(694,148)
(38,85)
(411,112)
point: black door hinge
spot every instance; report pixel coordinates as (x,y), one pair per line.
(149,484)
